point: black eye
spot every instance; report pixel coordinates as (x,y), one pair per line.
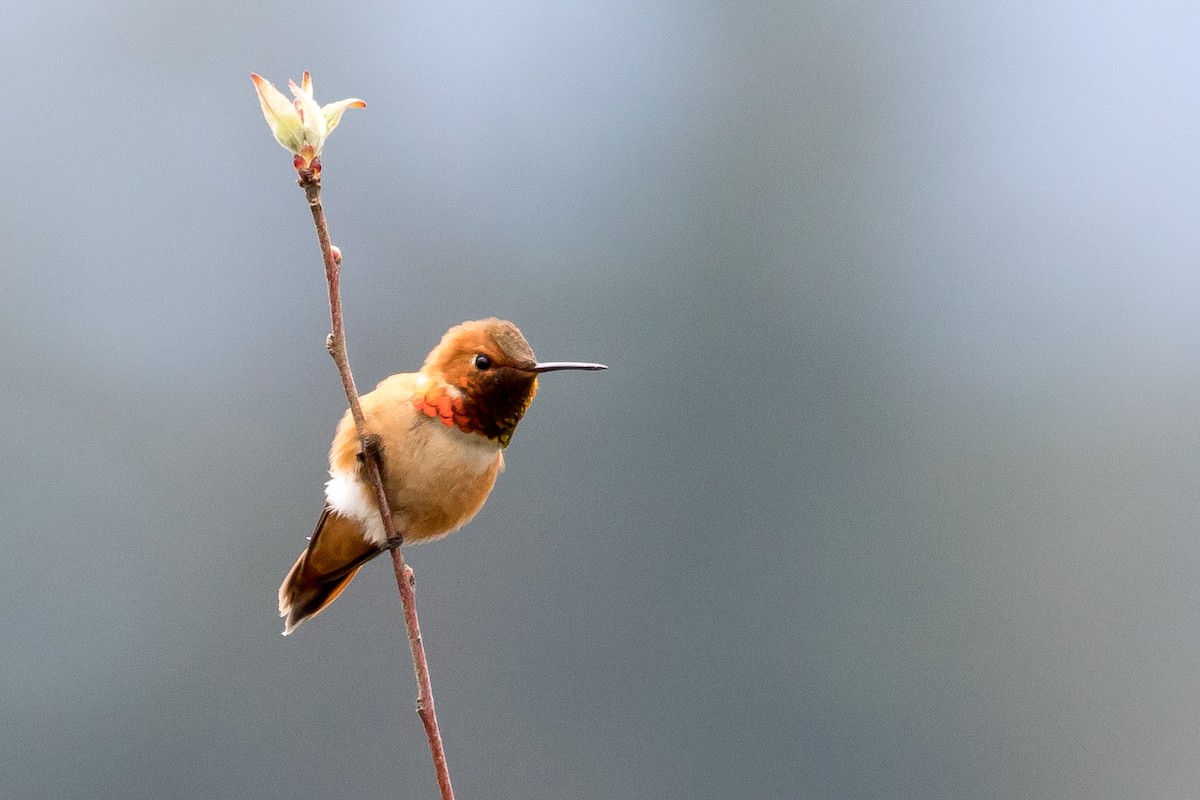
(482,363)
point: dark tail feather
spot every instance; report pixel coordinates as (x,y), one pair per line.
(335,552)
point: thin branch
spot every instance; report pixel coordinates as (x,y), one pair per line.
(310,181)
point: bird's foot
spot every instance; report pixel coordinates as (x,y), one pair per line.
(372,447)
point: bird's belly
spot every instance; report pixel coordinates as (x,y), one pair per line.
(436,480)
(445,483)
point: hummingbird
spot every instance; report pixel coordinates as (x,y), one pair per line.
(440,433)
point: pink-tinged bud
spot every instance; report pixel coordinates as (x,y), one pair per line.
(300,125)
(337,253)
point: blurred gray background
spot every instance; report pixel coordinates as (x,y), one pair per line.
(890,491)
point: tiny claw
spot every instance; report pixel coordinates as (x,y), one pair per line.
(393,543)
(372,446)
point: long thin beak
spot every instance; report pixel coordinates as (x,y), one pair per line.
(553,366)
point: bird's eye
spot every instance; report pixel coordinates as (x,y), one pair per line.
(482,363)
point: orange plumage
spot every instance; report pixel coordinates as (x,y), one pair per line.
(441,434)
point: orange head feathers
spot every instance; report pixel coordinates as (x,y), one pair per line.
(484,376)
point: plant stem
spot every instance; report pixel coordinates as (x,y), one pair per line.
(310,181)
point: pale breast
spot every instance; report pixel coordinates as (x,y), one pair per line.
(444,480)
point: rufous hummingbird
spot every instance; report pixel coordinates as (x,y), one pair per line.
(440,434)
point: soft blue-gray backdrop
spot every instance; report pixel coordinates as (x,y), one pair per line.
(892,489)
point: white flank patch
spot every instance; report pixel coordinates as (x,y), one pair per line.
(346,495)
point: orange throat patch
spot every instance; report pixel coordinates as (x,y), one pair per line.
(493,413)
